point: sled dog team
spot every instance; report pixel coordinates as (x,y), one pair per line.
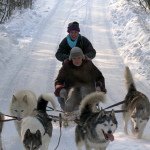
(94,128)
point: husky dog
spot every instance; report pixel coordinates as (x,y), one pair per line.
(22,104)
(36,129)
(138,107)
(1,126)
(95,128)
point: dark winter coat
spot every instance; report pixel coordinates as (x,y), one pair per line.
(63,51)
(73,76)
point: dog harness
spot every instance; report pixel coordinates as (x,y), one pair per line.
(45,120)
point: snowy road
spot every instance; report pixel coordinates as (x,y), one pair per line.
(36,67)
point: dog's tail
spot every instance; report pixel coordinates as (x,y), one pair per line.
(88,104)
(130,85)
(43,101)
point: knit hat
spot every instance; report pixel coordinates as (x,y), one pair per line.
(73,26)
(76,52)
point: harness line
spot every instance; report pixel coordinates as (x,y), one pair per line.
(116,104)
(60,125)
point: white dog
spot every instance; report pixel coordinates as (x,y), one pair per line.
(36,130)
(22,105)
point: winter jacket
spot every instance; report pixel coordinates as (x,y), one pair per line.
(72,76)
(63,51)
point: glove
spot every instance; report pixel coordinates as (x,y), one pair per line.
(98,89)
(101,86)
(101,90)
(87,58)
(104,90)
(57,90)
(66,60)
(63,93)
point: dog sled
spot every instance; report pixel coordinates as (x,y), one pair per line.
(65,118)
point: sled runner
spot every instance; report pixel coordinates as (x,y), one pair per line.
(65,117)
(70,117)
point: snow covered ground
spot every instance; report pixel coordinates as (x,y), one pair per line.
(119,31)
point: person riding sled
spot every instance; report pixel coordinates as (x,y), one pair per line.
(77,78)
(74,39)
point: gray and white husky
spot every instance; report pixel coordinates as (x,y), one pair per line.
(36,129)
(1,127)
(138,107)
(22,105)
(95,128)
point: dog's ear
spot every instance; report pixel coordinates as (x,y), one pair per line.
(132,116)
(14,98)
(25,99)
(146,114)
(145,111)
(112,113)
(38,134)
(39,137)
(27,134)
(135,110)
(101,113)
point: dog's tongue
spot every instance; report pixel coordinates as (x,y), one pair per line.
(137,131)
(110,137)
